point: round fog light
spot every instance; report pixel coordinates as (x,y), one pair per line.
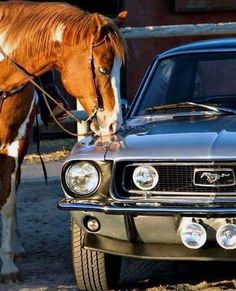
(145,177)
(193,235)
(92,224)
(226,236)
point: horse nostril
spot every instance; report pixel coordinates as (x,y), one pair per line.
(112,128)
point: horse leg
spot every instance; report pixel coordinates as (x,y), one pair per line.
(10,238)
(23,145)
(17,246)
(12,152)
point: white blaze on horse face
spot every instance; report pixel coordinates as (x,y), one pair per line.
(113,121)
(58,33)
(115,82)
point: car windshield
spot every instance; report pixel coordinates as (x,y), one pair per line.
(204,78)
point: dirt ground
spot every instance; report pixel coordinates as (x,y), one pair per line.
(45,235)
(47,266)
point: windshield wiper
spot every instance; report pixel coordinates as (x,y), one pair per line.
(192,104)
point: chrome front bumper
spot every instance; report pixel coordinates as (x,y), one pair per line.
(118,208)
(149,230)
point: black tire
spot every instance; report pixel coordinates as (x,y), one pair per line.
(93,270)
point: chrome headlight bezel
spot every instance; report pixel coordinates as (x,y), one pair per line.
(69,191)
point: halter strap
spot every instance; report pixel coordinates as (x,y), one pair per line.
(92,72)
(5,94)
(100,42)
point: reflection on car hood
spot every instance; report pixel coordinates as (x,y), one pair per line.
(186,138)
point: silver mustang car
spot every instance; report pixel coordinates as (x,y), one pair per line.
(164,187)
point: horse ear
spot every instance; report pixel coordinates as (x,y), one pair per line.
(96,25)
(120,19)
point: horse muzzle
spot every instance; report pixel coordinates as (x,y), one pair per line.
(105,126)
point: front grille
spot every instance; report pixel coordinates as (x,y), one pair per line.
(176,181)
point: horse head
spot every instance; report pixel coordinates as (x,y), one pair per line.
(90,69)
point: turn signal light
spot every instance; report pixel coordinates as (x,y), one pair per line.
(92,224)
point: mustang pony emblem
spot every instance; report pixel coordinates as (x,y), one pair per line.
(214,177)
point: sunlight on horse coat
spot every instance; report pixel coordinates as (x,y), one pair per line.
(88,51)
(42,36)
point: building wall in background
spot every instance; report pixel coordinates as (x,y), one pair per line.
(163,12)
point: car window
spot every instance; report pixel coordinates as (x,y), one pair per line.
(157,91)
(204,78)
(215,78)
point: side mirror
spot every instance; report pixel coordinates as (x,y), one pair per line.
(124,107)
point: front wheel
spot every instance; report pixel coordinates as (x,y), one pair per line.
(93,270)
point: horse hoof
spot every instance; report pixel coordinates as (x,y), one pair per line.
(11,278)
(20,256)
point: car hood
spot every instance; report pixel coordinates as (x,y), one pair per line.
(185,138)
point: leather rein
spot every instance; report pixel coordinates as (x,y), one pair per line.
(45,94)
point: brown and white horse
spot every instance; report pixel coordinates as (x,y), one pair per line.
(88,51)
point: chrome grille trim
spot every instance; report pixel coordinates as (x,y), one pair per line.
(212,195)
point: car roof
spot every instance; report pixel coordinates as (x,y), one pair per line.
(213,45)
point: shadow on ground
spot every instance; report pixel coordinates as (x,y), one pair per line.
(177,275)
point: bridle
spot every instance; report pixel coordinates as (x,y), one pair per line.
(97,94)
(45,94)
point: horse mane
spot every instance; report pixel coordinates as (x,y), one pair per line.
(29,27)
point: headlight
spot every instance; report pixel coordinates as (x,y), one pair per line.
(145,177)
(82,178)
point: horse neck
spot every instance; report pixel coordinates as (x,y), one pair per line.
(10,75)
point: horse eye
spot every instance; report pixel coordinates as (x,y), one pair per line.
(104,71)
